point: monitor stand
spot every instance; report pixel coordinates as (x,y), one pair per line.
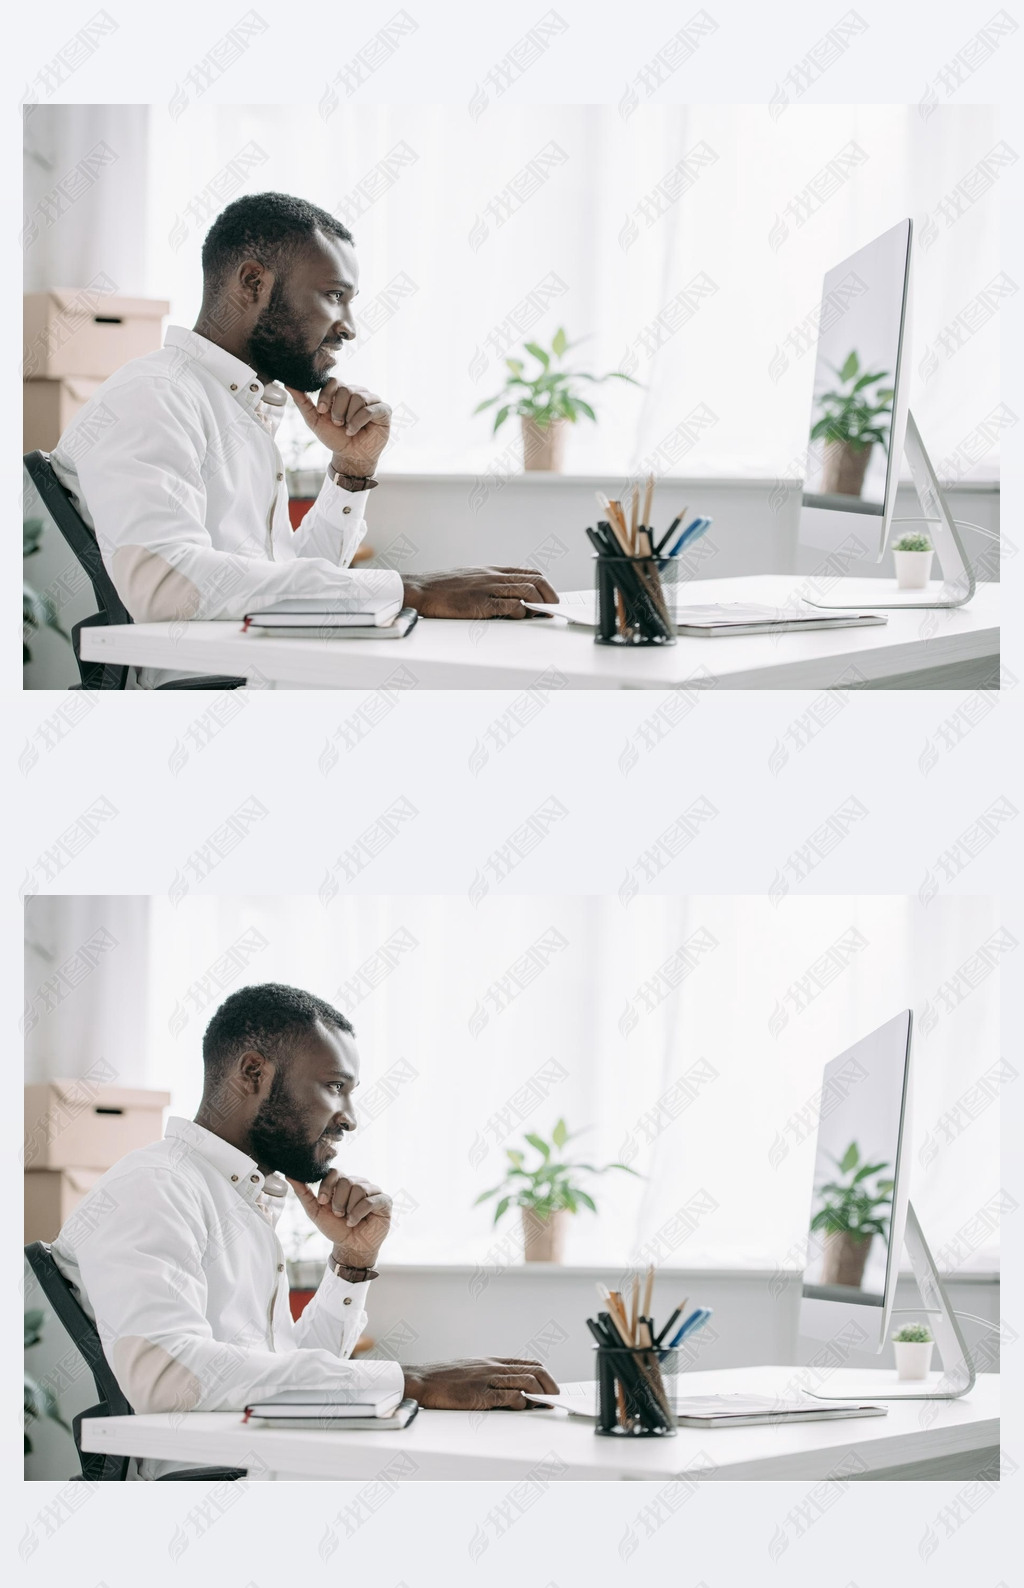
(957,1376)
(957,585)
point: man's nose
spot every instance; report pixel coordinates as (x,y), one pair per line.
(345,326)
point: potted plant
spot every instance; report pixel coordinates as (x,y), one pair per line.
(851,1214)
(546,402)
(853,418)
(37,611)
(912,555)
(40,1400)
(546,1194)
(913,1347)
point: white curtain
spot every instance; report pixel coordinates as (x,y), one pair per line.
(474,235)
(686,1036)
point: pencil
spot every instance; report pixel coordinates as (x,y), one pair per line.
(635,1309)
(648,1288)
(648,496)
(662,1333)
(633,518)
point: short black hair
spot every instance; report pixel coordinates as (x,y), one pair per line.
(266,1017)
(270,227)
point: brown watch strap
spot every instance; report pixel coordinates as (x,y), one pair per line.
(353,482)
(352,1276)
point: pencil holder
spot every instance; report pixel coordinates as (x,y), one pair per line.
(634,1392)
(634,601)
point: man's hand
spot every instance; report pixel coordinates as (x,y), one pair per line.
(354,1214)
(477,592)
(478,1384)
(352,421)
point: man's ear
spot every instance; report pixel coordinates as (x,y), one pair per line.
(255,281)
(256,1072)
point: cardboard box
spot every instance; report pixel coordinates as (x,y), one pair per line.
(83,332)
(51,1196)
(78,1125)
(49,407)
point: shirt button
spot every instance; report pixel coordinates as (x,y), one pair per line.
(234,1177)
(254,388)
(347,1301)
(346,510)
(255,1179)
(280,476)
(234,386)
(280,1268)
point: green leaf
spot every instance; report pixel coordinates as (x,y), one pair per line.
(515,365)
(560,1134)
(588,1201)
(851,1156)
(502,1208)
(559,342)
(540,1144)
(501,416)
(485,1194)
(850,368)
(515,1155)
(538,353)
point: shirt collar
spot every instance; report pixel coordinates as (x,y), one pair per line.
(239,380)
(230,1162)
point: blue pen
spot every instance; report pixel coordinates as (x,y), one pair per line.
(695,1321)
(699,527)
(691,526)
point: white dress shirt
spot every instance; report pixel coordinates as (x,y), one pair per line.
(174,1254)
(174,466)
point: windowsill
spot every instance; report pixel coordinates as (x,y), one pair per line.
(587,1271)
(533,479)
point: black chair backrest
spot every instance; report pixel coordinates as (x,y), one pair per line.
(112,610)
(85,1338)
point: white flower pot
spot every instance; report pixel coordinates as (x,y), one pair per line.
(913,1357)
(913,568)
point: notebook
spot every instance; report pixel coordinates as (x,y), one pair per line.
(297,1410)
(717,1411)
(316,612)
(724,618)
(331,625)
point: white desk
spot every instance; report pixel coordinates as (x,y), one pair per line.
(947,1439)
(947,649)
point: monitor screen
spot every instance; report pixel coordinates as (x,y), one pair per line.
(861,1118)
(859,343)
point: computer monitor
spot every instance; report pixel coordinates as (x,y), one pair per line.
(859,1198)
(861,1221)
(859,430)
(859,403)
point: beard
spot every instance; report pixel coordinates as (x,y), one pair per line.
(280,1138)
(277,346)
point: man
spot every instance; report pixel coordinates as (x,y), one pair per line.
(174,1251)
(173,461)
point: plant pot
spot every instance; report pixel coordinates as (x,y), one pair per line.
(543,445)
(844,1258)
(845,468)
(544,1239)
(913,569)
(913,1358)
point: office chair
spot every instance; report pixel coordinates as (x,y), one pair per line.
(112,610)
(112,1403)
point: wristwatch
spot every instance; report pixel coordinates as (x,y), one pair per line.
(354,1276)
(352,482)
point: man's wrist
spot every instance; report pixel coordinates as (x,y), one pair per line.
(350,478)
(354,1273)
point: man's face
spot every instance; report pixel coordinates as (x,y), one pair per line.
(308,316)
(300,1123)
